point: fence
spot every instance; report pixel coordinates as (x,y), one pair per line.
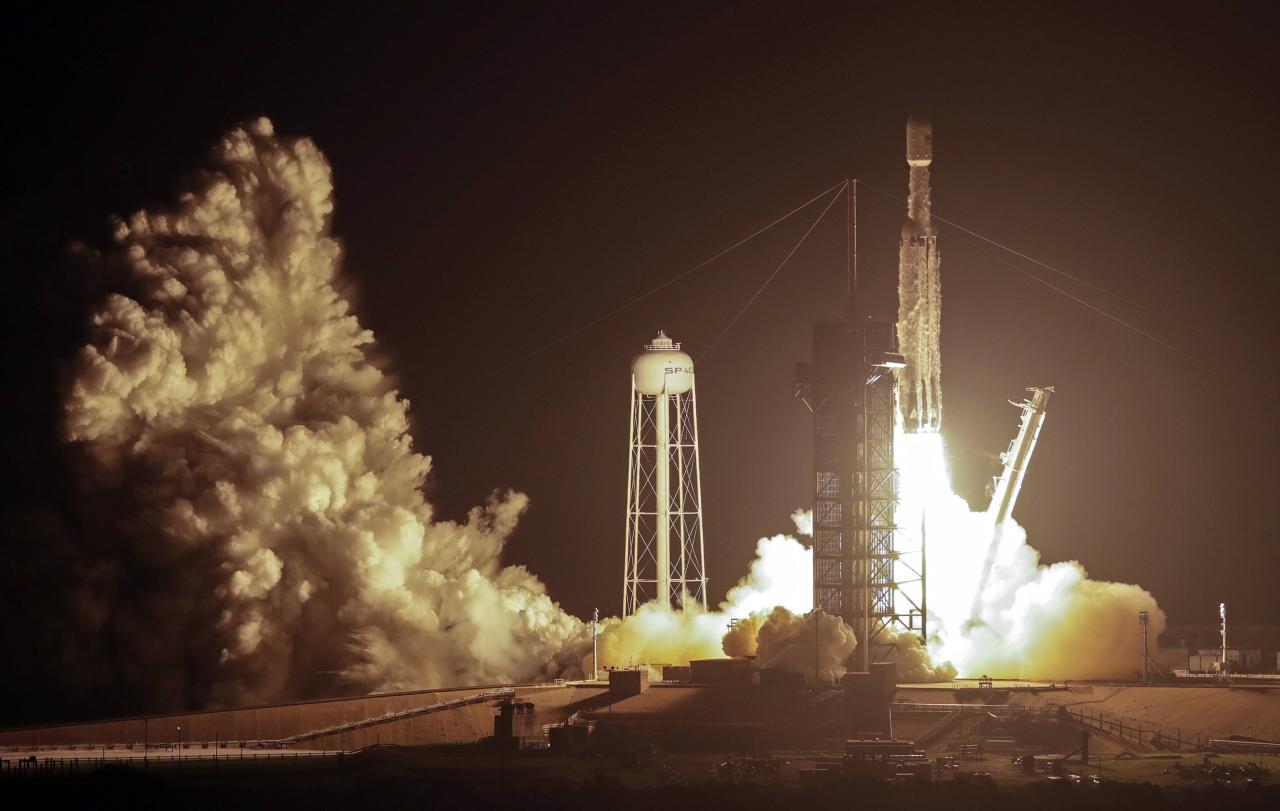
(1137,732)
(65,765)
(997,710)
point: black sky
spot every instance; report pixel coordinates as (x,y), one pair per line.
(505,175)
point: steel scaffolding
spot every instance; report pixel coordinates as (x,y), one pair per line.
(858,570)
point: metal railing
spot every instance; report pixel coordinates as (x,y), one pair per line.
(336,729)
(225,745)
(998,710)
(1135,731)
(33,765)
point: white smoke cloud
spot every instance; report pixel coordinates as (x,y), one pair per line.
(1031,621)
(780,576)
(274,492)
(782,640)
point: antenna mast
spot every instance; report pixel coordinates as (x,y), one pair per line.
(851,245)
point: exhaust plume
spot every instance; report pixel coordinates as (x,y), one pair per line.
(273,540)
(784,641)
(780,578)
(1030,620)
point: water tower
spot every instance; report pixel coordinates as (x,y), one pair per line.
(664,555)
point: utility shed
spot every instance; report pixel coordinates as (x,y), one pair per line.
(1239,660)
(675,673)
(631,682)
(720,671)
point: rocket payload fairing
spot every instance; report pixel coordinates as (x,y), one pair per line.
(919,294)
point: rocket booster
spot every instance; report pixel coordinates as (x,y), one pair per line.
(1005,493)
(919,293)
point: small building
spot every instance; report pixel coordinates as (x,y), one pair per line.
(1203,663)
(781,679)
(1171,658)
(1239,660)
(629,682)
(677,673)
(720,671)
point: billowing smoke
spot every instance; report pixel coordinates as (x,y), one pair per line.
(784,641)
(654,635)
(1030,621)
(914,664)
(273,541)
(780,576)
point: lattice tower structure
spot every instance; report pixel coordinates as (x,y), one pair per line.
(665,552)
(858,569)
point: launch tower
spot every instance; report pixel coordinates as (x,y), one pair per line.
(850,389)
(664,546)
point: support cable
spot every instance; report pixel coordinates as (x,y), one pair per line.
(1053,287)
(678,277)
(1096,309)
(1033,260)
(776,271)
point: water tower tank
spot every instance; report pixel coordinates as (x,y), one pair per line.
(662,368)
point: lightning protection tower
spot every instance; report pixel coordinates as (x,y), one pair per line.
(859,565)
(664,554)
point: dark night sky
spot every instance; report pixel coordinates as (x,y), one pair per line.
(504,177)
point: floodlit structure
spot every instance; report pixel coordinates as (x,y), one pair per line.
(920,293)
(1222,612)
(664,544)
(850,388)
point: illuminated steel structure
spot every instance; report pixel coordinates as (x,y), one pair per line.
(857,567)
(664,545)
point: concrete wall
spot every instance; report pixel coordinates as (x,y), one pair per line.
(457,725)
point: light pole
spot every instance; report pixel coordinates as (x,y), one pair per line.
(179,741)
(1222,612)
(817,655)
(1143,619)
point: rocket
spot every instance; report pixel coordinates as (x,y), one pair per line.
(1005,492)
(919,293)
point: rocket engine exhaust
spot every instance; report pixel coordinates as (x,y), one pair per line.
(276,543)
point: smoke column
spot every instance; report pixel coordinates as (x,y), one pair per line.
(271,538)
(919,294)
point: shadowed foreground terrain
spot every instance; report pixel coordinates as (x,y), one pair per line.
(399,778)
